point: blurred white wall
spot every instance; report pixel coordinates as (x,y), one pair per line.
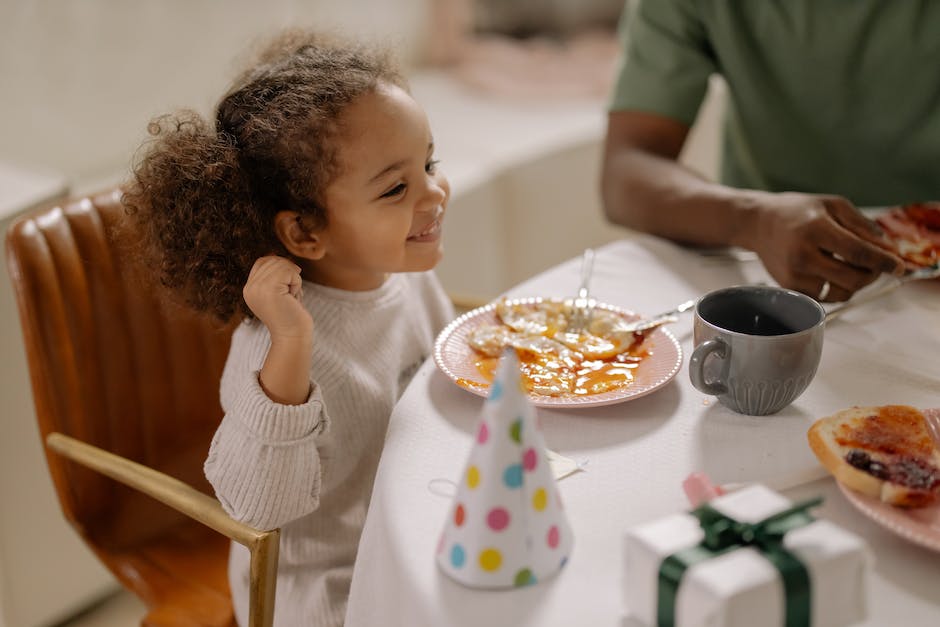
(79,79)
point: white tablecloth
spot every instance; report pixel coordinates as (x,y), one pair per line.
(638,453)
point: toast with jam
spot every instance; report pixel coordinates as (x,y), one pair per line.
(886,452)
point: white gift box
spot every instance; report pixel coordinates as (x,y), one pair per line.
(742,588)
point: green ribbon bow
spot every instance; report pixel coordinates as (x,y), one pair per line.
(723,535)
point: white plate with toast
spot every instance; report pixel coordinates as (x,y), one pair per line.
(920,525)
(887,463)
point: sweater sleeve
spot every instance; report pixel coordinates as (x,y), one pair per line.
(263,461)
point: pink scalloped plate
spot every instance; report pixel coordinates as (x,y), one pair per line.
(456,359)
(919,525)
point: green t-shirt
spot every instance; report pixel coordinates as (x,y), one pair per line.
(825,96)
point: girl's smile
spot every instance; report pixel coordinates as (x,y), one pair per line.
(431,232)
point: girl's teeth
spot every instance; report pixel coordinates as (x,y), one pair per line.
(427,231)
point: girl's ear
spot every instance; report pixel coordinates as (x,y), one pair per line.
(299,241)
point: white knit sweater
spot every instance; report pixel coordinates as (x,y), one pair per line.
(309,468)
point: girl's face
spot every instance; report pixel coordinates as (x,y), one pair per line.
(384,210)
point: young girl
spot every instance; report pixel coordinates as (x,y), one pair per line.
(312,206)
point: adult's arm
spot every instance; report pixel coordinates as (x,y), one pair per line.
(804,240)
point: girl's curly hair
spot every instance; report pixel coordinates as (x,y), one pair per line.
(203,197)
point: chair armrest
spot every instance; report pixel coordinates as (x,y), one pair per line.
(263,545)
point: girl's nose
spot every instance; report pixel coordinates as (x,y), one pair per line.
(435,193)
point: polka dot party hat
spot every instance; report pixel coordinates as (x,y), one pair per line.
(506,527)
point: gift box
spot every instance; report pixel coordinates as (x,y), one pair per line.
(750,557)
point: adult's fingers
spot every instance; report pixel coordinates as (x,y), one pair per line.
(834,293)
(819,288)
(846,276)
(848,215)
(839,242)
(851,219)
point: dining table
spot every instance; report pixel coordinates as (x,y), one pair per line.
(632,456)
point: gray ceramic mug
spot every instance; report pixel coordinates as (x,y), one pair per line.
(757,347)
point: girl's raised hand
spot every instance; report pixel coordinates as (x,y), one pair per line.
(273,292)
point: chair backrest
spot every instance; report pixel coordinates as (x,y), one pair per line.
(112,364)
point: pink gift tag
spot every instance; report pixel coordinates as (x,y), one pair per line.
(699,489)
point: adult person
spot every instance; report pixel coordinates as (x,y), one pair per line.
(833,105)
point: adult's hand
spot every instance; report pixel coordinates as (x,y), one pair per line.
(808,242)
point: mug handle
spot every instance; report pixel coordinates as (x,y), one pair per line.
(697,364)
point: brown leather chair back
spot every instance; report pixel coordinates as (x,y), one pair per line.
(114,365)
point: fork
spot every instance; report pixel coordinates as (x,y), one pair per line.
(653,321)
(583,305)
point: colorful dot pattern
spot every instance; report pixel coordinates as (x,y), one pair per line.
(512,476)
(506,527)
(473,477)
(539,500)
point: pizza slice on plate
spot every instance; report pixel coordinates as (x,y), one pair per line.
(914,230)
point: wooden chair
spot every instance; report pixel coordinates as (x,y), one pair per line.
(126,387)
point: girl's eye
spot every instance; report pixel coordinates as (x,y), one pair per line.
(395,191)
(431,166)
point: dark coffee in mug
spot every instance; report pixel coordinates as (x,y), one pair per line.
(754,323)
(759,310)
